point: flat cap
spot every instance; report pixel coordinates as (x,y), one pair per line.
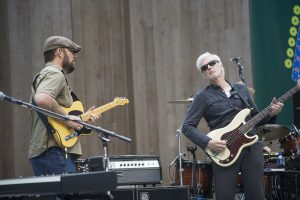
(54,42)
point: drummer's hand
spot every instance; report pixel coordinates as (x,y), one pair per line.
(217,145)
(276,107)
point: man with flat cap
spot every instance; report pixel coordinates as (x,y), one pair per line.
(50,90)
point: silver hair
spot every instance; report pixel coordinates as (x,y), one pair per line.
(203,56)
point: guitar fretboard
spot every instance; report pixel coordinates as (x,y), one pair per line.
(86,116)
(261,115)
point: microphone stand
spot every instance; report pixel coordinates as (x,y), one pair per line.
(102,133)
(97,129)
(178,135)
(241,68)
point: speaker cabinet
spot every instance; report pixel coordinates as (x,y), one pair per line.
(163,193)
(124,194)
(152,193)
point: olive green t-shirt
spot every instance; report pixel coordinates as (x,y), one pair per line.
(53,82)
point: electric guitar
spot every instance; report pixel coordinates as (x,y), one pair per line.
(66,136)
(236,133)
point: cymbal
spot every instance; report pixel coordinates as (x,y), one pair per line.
(184,101)
(298,108)
(272,132)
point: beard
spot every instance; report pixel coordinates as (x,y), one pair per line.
(67,65)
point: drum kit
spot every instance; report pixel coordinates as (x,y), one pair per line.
(198,174)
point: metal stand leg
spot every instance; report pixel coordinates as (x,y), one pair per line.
(178,135)
(105,141)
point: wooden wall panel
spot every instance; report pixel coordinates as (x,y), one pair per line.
(102,71)
(28,28)
(6,122)
(144,50)
(179,31)
(19,68)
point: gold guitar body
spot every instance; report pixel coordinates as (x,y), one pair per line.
(61,130)
(67,137)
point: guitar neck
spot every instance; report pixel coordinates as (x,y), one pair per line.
(265,112)
(87,115)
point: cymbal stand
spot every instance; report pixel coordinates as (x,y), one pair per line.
(178,135)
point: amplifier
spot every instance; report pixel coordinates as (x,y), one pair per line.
(131,169)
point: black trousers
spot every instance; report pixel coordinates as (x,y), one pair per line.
(251,165)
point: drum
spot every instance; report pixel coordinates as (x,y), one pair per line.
(270,160)
(290,145)
(203,179)
(282,185)
(240,186)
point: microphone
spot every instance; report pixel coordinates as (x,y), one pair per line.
(235,59)
(10,99)
(2,95)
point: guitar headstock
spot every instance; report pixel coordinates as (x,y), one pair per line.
(121,101)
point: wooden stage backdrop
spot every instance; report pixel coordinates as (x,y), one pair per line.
(144,50)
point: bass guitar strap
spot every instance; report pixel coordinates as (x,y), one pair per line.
(43,117)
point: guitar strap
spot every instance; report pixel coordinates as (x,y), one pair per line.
(49,128)
(43,118)
(74,96)
(242,96)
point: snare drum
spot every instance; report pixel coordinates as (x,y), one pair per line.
(290,145)
(203,177)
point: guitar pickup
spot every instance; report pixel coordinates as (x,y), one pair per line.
(84,130)
(69,137)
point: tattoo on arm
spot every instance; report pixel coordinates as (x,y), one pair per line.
(54,106)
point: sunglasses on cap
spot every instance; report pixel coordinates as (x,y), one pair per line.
(210,63)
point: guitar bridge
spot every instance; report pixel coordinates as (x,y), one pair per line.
(85,130)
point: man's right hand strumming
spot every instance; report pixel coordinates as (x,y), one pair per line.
(72,124)
(217,145)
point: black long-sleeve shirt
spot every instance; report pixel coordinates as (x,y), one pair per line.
(218,110)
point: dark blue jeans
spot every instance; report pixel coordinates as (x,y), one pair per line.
(250,163)
(52,161)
